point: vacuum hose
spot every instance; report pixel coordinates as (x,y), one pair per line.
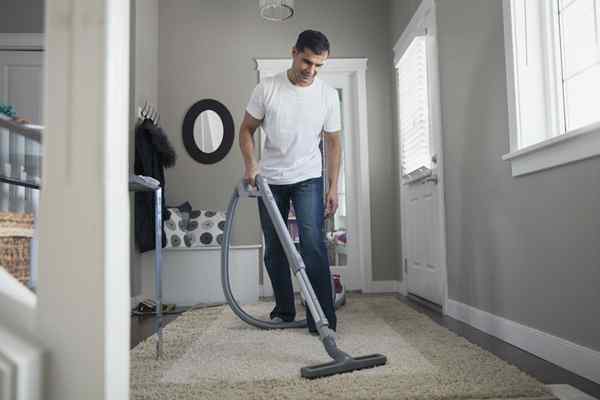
(237,309)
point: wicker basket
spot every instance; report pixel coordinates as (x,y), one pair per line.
(16,231)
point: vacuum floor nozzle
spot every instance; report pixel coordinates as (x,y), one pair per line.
(340,367)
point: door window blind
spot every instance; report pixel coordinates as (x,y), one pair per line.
(413,104)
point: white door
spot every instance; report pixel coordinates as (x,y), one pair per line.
(422,211)
(21,78)
(423,271)
(342,230)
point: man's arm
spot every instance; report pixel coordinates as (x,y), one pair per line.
(334,151)
(246,140)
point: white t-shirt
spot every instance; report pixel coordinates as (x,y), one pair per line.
(294,118)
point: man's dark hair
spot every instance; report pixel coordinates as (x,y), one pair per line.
(312,40)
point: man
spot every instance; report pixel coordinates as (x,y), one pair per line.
(294,108)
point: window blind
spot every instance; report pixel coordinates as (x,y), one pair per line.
(413,104)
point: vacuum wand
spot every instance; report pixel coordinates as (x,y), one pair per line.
(342,362)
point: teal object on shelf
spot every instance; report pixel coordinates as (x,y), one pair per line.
(8,110)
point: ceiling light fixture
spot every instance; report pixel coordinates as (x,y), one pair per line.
(276,10)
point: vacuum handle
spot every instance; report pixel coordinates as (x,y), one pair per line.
(260,181)
(247,190)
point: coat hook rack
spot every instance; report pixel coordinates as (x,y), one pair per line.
(148,112)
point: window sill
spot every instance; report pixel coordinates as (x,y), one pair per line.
(564,149)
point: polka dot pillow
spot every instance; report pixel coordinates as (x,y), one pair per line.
(205,228)
(175,227)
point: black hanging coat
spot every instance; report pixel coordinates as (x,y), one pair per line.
(153,153)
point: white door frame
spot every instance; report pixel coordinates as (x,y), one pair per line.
(84,213)
(355,70)
(426,13)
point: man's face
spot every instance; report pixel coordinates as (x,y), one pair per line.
(306,65)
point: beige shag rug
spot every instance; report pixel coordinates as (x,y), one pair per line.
(211,354)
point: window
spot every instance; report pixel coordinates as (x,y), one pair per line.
(580,53)
(413,104)
(553,73)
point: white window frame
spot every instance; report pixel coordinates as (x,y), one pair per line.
(545,112)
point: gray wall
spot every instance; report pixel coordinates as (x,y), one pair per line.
(525,248)
(207,50)
(401,11)
(144,87)
(22,16)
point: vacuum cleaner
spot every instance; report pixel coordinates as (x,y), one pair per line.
(342,362)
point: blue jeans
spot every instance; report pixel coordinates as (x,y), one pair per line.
(307,198)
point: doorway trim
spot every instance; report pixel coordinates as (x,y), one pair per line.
(355,69)
(84,204)
(426,11)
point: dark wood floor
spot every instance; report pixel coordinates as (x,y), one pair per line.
(144,327)
(547,373)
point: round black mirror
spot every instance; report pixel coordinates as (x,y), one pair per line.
(208,131)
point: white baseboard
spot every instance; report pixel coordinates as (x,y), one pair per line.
(571,356)
(402,289)
(382,287)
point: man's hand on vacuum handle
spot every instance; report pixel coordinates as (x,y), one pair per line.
(250,175)
(247,129)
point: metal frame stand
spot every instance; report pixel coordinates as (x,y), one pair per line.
(139,183)
(158,271)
